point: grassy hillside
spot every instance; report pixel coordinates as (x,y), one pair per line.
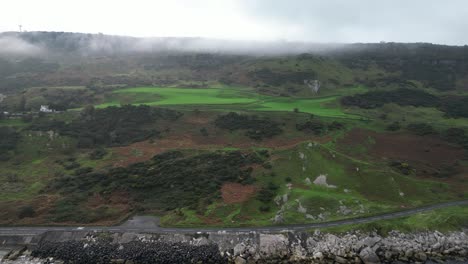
(234,140)
(316,173)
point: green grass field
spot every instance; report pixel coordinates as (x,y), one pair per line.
(13,123)
(226,99)
(316,106)
(175,96)
(446,219)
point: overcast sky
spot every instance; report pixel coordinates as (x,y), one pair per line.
(434,21)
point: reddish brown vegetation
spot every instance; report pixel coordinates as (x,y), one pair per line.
(143,151)
(425,153)
(428,149)
(237,193)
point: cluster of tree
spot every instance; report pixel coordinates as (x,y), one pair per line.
(69,163)
(393,81)
(26,211)
(168,181)
(9,137)
(402,96)
(56,98)
(455,106)
(70,208)
(270,77)
(63,99)
(454,135)
(436,66)
(421,129)
(27,65)
(394,126)
(457,136)
(200,61)
(318,127)
(98,153)
(111,126)
(257,128)
(17,74)
(266,195)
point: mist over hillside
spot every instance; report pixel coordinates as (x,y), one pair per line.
(41,43)
(87,44)
(34,59)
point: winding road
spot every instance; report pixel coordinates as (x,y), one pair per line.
(147,224)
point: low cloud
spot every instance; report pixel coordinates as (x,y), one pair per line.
(241,47)
(10,45)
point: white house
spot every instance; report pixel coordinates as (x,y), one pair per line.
(45,109)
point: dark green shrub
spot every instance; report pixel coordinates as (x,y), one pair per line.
(98,154)
(264,208)
(204,132)
(257,129)
(402,96)
(315,126)
(8,141)
(395,126)
(421,129)
(26,211)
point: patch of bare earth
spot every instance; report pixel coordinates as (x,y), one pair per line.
(236,192)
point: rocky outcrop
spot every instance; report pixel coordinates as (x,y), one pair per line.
(321,180)
(253,247)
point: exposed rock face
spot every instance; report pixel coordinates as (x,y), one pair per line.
(252,247)
(321,180)
(273,245)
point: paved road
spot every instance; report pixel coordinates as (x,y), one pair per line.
(150,224)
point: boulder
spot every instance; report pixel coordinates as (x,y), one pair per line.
(321,180)
(368,256)
(274,245)
(421,256)
(239,249)
(318,256)
(240,260)
(341,260)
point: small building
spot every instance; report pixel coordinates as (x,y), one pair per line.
(45,109)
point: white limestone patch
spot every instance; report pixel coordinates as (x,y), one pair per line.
(301,209)
(321,180)
(301,155)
